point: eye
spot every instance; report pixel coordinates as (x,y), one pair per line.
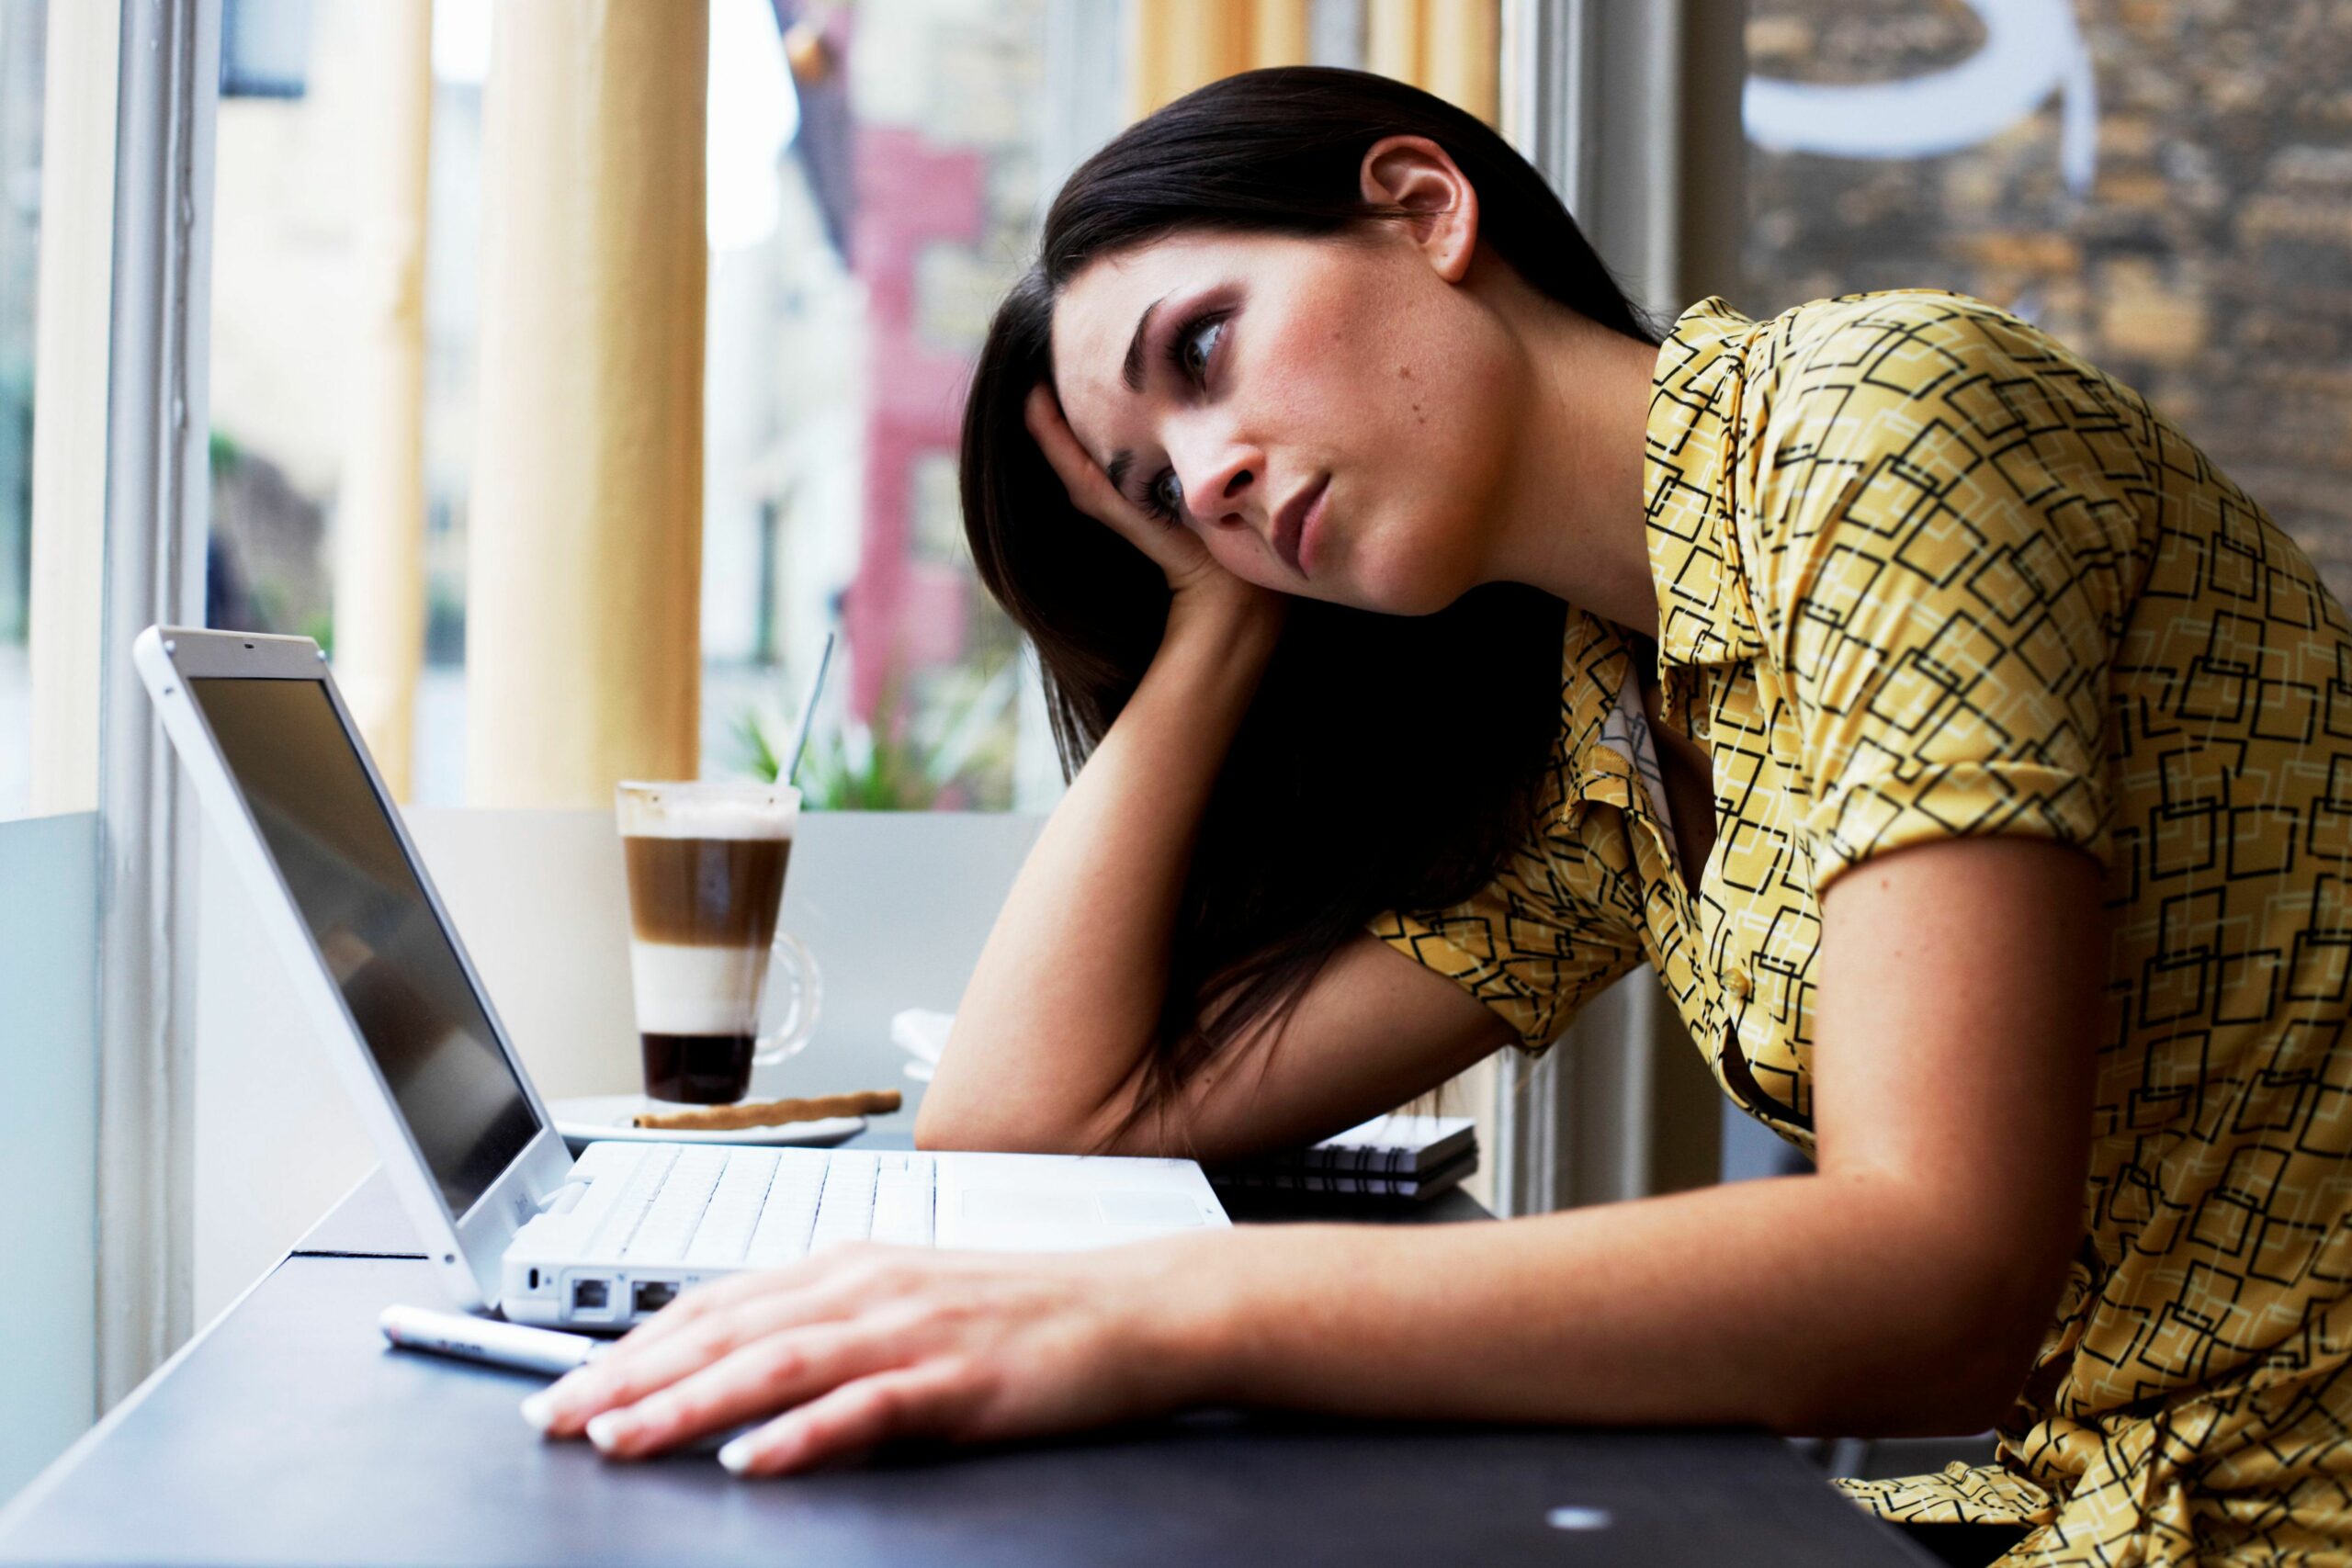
(1195,345)
(1190,350)
(1164,497)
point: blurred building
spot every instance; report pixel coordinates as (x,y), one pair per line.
(891,165)
(2190,232)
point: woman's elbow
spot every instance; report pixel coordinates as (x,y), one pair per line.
(1930,1394)
(1952,1366)
(941,1124)
(934,1129)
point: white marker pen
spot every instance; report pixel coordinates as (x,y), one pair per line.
(478,1339)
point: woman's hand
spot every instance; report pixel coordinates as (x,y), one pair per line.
(864,1344)
(1192,573)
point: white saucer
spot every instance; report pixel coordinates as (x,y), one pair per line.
(605,1118)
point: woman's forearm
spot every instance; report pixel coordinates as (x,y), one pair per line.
(1069,989)
(1805,1303)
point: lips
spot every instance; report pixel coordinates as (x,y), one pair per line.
(1290,523)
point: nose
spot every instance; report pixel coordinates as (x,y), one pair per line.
(1224,478)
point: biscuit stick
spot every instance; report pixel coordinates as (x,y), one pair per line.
(772,1112)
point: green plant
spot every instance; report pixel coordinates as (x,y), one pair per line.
(899,761)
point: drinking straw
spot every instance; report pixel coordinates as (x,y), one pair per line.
(808,711)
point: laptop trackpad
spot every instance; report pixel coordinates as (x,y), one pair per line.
(1152,1211)
(1027,1208)
(1074,1213)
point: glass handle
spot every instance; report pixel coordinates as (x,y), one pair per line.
(788,956)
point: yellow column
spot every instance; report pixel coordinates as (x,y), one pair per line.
(380,525)
(71,338)
(1278,32)
(1178,45)
(584,577)
(1451,48)
(1391,39)
(1461,53)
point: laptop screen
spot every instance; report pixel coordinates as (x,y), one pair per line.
(327,829)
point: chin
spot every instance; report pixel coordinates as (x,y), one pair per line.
(1411,582)
(1416,596)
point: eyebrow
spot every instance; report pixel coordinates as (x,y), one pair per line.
(1132,371)
(1132,374)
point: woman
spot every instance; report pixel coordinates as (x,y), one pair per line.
(1972,761)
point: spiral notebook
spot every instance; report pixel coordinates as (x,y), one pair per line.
(1389,1156)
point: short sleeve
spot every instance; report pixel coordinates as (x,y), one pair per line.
(1553,927)
(1939,548)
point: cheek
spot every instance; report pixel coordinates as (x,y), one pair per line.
(1413,394)
(1303,386)
(1433,485)
(1405,394)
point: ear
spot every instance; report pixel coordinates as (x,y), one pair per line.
(1416,174)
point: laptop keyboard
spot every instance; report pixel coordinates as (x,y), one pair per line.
(715,1207)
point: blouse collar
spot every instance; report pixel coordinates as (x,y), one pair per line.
(1704,610)
(1690,484)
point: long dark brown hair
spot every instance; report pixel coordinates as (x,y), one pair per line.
(1386,762)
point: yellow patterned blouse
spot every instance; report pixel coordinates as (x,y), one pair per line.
(1923,573)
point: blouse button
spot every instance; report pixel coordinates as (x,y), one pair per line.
(1735,982)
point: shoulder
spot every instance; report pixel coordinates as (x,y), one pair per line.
(1901,448)
(1928,398)
(1911,342)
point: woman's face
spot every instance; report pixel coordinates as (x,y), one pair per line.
(1333,417)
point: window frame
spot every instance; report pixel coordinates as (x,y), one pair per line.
(155,527)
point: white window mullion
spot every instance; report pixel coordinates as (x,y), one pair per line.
(155,527)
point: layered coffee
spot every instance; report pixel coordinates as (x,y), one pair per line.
(705,876)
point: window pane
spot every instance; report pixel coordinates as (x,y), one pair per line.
(298,286)
(2174,201)
(23,33)
(282,341)
(873,188)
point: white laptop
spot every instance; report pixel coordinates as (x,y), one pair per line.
(513,1221)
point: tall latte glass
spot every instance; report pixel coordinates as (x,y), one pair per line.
(705,877)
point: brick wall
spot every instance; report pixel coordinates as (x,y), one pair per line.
(2207,263)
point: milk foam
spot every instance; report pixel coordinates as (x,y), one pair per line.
(701,811)
(696,990)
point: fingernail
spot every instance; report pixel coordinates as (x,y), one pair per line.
(539,1410)
(736,1457)
(607,1429)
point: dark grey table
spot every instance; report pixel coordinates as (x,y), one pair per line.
(287,1434)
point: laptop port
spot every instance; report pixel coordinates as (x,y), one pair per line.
(652,1295)
(589,1296)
